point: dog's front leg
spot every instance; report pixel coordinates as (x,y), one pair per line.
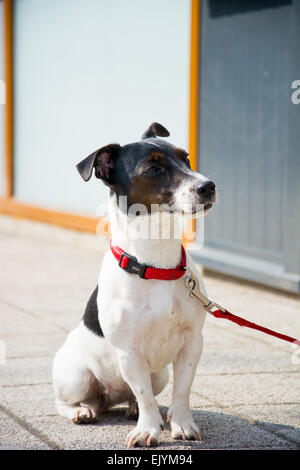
(183,425)
(136,372)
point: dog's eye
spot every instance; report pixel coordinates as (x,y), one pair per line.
(153,170)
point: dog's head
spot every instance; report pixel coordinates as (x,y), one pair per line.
(151,172)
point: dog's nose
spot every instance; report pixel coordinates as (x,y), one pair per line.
(206,189)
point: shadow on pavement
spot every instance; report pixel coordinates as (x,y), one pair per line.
(219,431)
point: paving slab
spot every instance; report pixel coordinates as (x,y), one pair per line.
(34,345)
(223,430)
(16,323)
(14,436)
(249,389)
(32,370)
(28,401)
(246,393)
(229,352)
(282,420)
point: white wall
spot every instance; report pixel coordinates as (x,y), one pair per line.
(88,73)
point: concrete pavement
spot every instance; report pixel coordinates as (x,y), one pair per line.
(246,394)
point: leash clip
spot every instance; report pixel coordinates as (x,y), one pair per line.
(192,284)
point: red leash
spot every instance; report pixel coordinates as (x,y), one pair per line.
(217,311)
(242,322)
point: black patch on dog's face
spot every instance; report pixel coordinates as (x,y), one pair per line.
(148,172)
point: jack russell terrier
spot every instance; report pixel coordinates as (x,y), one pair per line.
(140,317)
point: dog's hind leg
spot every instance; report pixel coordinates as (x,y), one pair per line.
(79,395)
(159,380)
(78,399)
(79,414)
(132,412)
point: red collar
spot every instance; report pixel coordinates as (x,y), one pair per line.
(131,265)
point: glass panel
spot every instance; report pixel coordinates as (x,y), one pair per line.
(88,73)
(246,75)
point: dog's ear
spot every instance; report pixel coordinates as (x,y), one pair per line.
(155,129)
(104,162)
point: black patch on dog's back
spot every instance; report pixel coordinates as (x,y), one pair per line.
(90,317)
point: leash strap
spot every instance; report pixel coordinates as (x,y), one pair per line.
(242,322)
(131,265)
(192,284)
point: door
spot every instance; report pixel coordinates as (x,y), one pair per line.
(248,138)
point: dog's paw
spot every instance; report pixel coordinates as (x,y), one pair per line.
(146,435)
(142,438)
(84,415)
(184,427)
(132,412)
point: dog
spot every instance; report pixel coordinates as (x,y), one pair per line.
(135,325)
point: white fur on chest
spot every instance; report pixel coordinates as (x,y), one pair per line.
(146,315)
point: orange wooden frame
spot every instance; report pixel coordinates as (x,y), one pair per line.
(64,219)
(8,204)
(190,227)
(194,83)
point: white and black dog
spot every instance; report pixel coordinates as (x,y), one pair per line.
(140,317)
